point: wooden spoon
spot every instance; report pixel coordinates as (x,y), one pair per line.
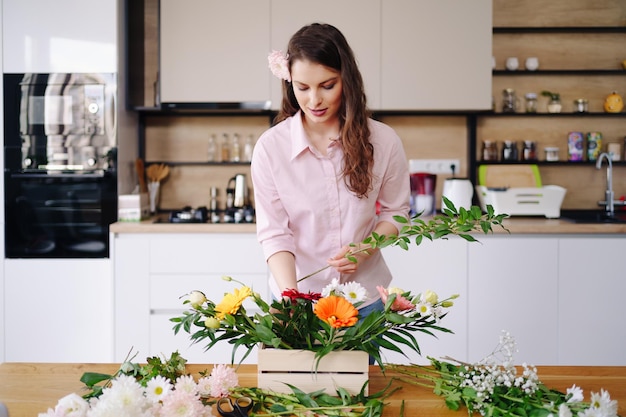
(141,175)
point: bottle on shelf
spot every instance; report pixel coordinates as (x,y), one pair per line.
(235,149)
(214,212)
(248,147)
(212,148)
(225,148)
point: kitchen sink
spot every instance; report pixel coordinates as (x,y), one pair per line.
(593,216)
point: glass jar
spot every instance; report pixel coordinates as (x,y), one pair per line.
(490,150)
(509,151)
(529,152)
(531,102)
(581,105)
(509,101)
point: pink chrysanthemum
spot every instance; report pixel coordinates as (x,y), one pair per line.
(278,65)
(222,379)
(184,404)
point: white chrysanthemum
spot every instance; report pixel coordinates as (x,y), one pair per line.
(575,394)
(186,383)
(125,397)
(157,388)
(602,402)
(204,386)
(353,292)
(72,405)
(564,411)
(331,288)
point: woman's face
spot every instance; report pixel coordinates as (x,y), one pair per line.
(318,90)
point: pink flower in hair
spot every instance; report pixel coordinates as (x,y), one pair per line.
(278,65)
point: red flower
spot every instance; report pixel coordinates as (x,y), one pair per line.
(294,295)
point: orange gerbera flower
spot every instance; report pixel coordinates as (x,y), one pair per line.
(336,311)
(231,302)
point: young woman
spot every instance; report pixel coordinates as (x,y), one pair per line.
(320,171)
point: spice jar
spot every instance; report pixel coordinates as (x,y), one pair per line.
(509,101)
(531,102)
(490,150)
(581,105)
(509,151)
(529,152)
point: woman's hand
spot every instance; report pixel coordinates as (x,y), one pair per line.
(343,261)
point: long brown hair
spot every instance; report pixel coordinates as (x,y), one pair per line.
(325,44)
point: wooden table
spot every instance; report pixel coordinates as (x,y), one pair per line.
(31,388)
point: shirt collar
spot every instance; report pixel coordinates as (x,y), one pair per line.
(300,143)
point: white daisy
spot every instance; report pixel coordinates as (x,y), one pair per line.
(603,403)
(575,394)
(331,288)
(157,388)
(353,292)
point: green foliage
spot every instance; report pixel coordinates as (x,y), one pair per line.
(170,368)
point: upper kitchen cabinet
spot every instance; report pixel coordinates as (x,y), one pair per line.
(59,36)
(436,55)
(362,33)
(214,51)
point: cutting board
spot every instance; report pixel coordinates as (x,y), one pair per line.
(508,176)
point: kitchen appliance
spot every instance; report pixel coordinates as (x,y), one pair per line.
(238,207)
(423,193)
(60,164)
(459,191)
(189,215)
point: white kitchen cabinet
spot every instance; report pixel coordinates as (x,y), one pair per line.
(214,51)
(58,310)
(513,286)
(436,55)
(440,266)
(591,311)
(59,36)
(362,33)
(154,272)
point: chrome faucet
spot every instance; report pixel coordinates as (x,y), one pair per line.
(610,207)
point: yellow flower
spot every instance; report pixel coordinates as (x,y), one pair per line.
(231,302)
(336,311)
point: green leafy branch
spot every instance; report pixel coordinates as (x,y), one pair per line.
(460,221)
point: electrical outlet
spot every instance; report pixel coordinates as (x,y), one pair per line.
(435,166)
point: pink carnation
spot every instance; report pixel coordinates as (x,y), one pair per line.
(278,65)
(399,304)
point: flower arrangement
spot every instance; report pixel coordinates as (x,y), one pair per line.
(278,64)
(319,322)
(163,388)
(492,387)
(329,321)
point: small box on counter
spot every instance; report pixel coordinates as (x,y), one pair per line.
(133,207)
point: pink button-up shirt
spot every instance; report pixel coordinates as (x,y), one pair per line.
(303,205)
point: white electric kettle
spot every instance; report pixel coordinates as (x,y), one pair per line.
(459,191)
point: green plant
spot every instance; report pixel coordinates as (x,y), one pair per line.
(328,321)
(553,96)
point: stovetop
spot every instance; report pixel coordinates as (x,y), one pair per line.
(189,215)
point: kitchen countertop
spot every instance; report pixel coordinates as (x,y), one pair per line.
(516,225)
(31,388)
